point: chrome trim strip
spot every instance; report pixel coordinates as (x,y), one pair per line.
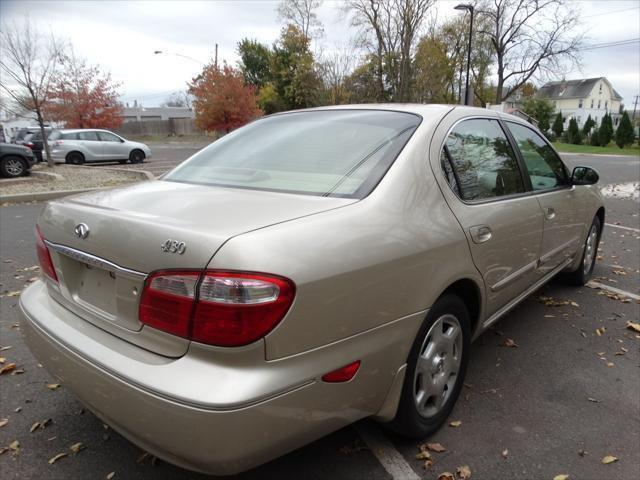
(496,316)
(549,255)
(95,261)
(514,276)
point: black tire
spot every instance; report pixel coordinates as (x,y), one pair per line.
(121,162)
(75,158)
(589,254)
(13,166)
(409,421)
(136,156)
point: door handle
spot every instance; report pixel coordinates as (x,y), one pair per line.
(480,233)
(549,213)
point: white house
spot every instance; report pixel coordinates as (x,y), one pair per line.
(580,98)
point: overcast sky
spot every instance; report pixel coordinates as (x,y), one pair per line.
(121,36)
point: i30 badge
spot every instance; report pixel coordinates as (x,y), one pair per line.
(82,230)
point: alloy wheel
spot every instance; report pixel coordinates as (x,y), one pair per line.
(438,365)
(14,167)
(590,250)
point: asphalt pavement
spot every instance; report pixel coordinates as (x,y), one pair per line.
(557,403)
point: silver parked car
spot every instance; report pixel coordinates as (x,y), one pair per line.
(307,270)
(80,146)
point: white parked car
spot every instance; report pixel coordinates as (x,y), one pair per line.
(83,145)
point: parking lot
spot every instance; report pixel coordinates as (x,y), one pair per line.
(551,389)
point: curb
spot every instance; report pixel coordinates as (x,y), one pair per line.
(40,196)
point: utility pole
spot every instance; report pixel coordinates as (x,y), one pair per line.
(468,97)
(215,62)
(635,105)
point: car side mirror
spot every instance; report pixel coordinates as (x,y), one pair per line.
(584,176)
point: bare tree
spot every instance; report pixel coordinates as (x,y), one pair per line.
(335,66)
(529,37)
(177,99)
(392,27)
(301,13)
(27,66)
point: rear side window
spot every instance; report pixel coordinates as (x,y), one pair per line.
(481,161)
(108,137)
(70,136)
(341,153)
(545,168)
(93,136)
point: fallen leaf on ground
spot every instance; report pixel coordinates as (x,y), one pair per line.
(509,342)
(610,364)
(591,399)
(53,460)
(3,422)
(30,269)
(53,386)
(76,447)
(609,459)
(600,331)
(464,472)
(423,455)
(455,423)
(633,326)
(15,293)
(505,453)
(446,476)
(8,347)
(110,475)
(562,476)
(7,368)
(436,447)
(582,453)
(2,359)
(34,427)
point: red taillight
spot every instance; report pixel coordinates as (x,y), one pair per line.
(58,142)
(29,144)
(167,301)
(343,374)
(222,308)
(44,257)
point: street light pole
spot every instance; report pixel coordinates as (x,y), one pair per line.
(162,52)
(468,98)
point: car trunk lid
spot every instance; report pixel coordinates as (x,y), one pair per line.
(152,226)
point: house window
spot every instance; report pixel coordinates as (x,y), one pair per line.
(599,104)
(580,103)
(600,91)
(592,103)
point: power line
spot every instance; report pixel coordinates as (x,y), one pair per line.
(616,43)
(610,12)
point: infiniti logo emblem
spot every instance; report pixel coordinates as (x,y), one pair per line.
(82,230)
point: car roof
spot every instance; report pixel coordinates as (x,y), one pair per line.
(76,130)
(424,110)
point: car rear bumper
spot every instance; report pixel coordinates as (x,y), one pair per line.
(216,439)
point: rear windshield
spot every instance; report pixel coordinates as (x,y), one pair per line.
(341,153)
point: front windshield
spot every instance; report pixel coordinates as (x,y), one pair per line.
(340,153)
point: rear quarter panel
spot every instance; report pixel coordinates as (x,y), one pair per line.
(360,266)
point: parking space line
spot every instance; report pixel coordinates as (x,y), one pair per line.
(623,228)
(603,286)
(392,461)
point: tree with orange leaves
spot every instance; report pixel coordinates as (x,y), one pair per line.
(222,101)
(84,97)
